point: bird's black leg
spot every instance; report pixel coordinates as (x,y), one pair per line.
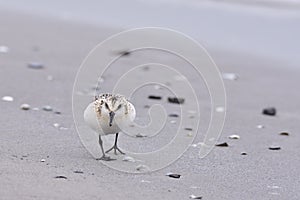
(115,147)
(104,157)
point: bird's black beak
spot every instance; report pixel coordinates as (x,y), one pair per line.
(111,118)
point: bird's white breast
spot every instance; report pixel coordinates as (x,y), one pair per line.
(100,122)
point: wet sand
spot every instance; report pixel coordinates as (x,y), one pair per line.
(29,136)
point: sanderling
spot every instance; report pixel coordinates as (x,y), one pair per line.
(106,115)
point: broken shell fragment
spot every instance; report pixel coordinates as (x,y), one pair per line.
(61,177)
(271,111)
(172,175)
(230,76)
(7,98)
(274,147)
(175,100)
(284,133)
(195,197)
(25,106)
(154,97)
(224,144)
(234,137)
(47,108)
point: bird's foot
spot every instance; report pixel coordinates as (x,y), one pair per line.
(105,158)
(115,148)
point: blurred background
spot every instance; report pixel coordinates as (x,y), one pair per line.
(265,28)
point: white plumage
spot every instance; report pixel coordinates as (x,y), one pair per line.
(107,115)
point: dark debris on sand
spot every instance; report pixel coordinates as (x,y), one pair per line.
(35,65)
(274,147)
(224,144)
(154,97)
(125,53)
(61,177)
(175,100)
(271,111)
(171,175)
(78,172)
(284,133)
(195,197)
(173,115)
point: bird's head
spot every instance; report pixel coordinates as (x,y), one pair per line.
(113,106)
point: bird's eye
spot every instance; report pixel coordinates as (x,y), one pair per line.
(119,107)
(106,106)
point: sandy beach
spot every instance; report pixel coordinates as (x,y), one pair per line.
(34,150)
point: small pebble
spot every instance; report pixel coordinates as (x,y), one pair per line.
(42,160)
(139,135)
(173,121)
(7,98)
(78,172)
(4,49)
(220,109)
(128,159)
(274,147)
(47,108)
(142,168)
(260,126)
(243,153)
(194,145)
(224,144)
(173,115)
(271,111)
(25,106)
(284,133)
(234,137)
(175,100)
(189,134)
(230,76)
(172,175)
(195,197)
(124,53)
(154,97)
(61,177)
(35,65)
(56,125)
